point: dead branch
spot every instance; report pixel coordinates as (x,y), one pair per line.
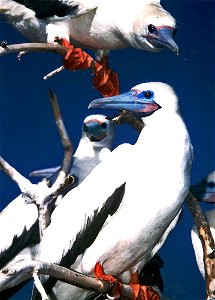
(207,241)
(25,269)
(128,117)
(23,183)
(42,194)
(33,47)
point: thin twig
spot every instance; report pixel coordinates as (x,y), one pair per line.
(39,285)
(56,71)
(66,142)
(23,183)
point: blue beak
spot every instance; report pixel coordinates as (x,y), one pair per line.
(163,38)
(133,101)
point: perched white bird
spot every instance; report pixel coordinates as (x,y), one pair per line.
(197,245)
(101,25)
(205,190)
(95,144)
(121,214)
(19,221)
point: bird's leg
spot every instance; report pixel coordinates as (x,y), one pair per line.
(105,80)
(117,288)
(75,58)
(142,292)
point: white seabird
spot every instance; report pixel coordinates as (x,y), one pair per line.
(101,25)
(19,221)
(121,214)
(95,144)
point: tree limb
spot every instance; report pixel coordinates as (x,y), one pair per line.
(128,117)
(41,194)
(33,47)
(24,269)
(207,241)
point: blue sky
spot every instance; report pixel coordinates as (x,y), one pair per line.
(29,139)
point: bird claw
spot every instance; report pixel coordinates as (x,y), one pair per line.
(142,292)
(116,289)
(105,80)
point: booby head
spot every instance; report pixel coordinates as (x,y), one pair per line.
(98,128)
(157,31)
(205,189)
(143,99)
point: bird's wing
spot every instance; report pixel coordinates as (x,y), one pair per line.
(77,220)
(59,8)
(19,229)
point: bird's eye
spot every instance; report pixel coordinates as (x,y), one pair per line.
(104,125)
(211,184)
(151,28)
(145,94)
(148,94)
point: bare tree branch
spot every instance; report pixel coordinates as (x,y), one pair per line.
(41,194)
(33,47)
(128,117)
(207,241)
(23,183)
(23,270)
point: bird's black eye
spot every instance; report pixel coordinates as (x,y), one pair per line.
(145,94)
(151,28)
(104,125)
(148,94)
(211,184)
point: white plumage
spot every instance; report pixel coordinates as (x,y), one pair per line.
(121,214)
(19,221)
(95,24)
(95,144)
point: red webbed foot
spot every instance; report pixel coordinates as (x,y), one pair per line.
(105,80)
(117,288)
(142,292)
(75,58)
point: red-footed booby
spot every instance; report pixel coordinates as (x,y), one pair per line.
(101,25)
(121,214)
(95,144)
(19,221)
